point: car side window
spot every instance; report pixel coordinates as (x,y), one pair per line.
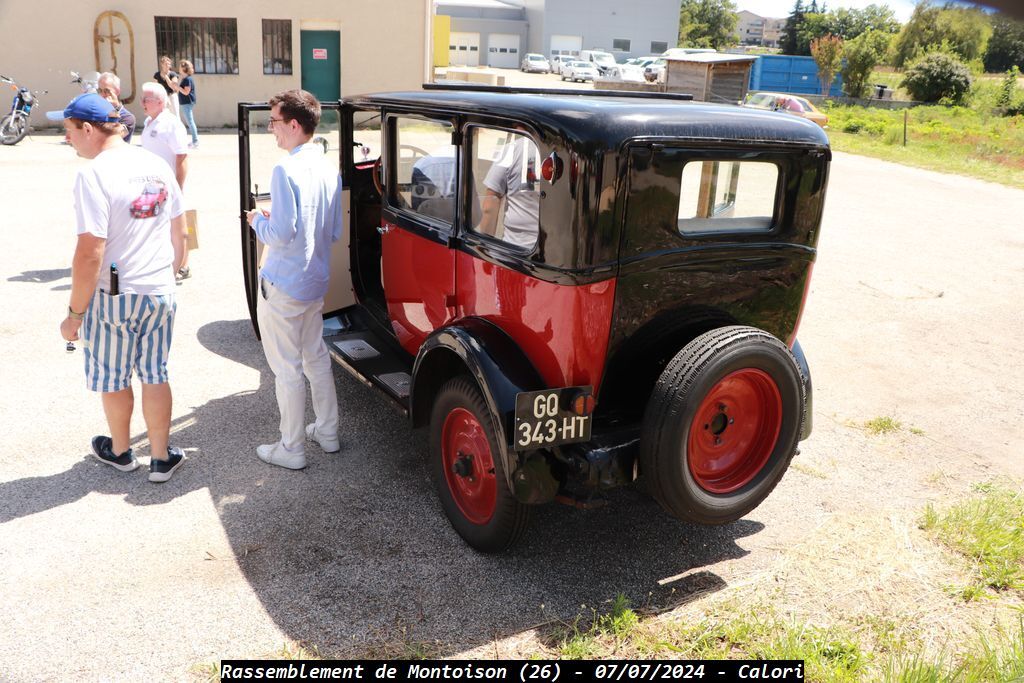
(505,180)
(425,163)
(730,196)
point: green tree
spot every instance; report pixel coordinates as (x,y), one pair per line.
(789,42)
(1006,47)
(1008,88)
(707,23)
(861,56)
(964,31)
(828,55)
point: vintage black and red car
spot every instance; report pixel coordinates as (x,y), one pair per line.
(572,290)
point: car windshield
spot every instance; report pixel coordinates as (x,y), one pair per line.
(604,58)
(580,65)
(535,58)
(807,106)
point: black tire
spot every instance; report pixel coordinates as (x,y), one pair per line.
(478,502)
(13,129)
(714,475)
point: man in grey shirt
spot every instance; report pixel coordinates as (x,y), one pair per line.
(514,177)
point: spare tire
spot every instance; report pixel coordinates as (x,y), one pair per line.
(722,424)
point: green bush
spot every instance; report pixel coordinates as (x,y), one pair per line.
(938,76)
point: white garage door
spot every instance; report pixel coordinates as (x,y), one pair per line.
(566,45)
(464,49)
(503,50)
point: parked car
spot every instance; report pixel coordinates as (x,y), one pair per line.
(579,71)
(631,69)
(559,62)
(602,61)
(596,288)
(655,71)
(788,103)
(535,63)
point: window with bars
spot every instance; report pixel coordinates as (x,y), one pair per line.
(277,46)
(210,44)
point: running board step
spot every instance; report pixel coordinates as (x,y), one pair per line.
(397,383)
(356,349)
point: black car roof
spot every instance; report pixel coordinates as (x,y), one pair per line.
(609,119)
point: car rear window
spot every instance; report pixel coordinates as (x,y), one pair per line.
(733,195)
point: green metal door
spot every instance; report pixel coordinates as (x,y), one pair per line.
(321,64)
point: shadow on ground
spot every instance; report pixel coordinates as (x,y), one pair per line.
(354,555)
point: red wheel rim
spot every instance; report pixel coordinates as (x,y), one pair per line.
(469,466)
(734,430)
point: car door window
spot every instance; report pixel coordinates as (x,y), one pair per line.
(425,163)
(727,195)
(505,180)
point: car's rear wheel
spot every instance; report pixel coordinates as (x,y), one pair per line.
(468,472)
(722,425)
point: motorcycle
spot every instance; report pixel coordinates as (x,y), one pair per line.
(14,126)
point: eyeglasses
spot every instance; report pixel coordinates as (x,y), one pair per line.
(272,121)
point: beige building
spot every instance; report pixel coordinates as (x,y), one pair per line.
(331,47)
(753,29)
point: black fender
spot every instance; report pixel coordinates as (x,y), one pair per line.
(495,362)
(805,372)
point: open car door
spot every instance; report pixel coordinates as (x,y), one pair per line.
(258,153)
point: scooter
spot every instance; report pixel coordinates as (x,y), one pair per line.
(14,126)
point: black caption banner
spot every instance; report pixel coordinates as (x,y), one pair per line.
(533,671)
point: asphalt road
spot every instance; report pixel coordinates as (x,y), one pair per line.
(914,313)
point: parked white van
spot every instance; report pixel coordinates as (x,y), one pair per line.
(604,61)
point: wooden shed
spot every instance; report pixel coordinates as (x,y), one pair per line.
(710,77)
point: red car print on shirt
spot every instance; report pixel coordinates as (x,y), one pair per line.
(150,202)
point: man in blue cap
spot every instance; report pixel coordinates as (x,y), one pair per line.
(130,213)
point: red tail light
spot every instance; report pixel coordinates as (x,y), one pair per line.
(551,169)
(584,404)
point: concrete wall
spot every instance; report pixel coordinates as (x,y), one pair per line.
(601,21)
(42,42)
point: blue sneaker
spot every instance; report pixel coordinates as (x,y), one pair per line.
(102,450)
(161,470)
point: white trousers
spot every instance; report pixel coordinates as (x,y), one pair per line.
(293,342)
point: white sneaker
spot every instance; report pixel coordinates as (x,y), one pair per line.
(275,454)
(328,444)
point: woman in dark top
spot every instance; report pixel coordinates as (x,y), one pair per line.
(169,80)
(187,99)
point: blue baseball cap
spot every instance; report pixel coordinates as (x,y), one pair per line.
(88,107)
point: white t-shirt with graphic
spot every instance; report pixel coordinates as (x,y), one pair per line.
(128,196)
(166,137)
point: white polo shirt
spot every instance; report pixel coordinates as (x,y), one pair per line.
(166,137)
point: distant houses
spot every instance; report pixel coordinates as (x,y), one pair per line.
(753,29)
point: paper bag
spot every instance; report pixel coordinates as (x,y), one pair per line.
(192,222)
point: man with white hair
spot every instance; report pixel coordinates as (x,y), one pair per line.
(165,135)
(109,88)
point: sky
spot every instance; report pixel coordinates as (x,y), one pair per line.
(782,8)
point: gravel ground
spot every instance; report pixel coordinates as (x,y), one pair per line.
(914,313)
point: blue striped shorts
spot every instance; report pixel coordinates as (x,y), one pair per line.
(124,333)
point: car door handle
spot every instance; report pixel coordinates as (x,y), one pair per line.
(383,229)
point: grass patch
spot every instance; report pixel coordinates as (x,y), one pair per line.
(808,470)
(998,658)
(988,529)
(883,425)
(963,140)
(585,638)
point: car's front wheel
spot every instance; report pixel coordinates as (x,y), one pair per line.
(722,424)
(468,472)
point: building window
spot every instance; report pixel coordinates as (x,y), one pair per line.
(277,46)
(658,46)
(621,44)
(210,44)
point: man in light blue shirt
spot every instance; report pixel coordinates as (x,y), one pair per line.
(305,219)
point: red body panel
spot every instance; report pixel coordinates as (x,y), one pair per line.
(419,285)
(563,329)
